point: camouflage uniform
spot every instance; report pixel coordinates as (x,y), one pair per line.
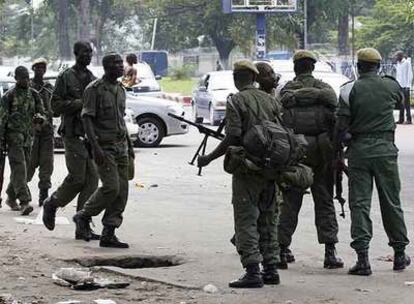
(18,106)
(105,102)
(67,101)
(42,148)
(254,197)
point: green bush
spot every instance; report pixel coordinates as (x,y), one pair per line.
(183,72)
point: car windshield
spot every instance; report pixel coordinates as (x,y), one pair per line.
(221,81)
(144,71)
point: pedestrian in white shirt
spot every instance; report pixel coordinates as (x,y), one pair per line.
(405,78)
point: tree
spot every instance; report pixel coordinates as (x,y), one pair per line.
(62,20)
(84,33)
(390,28)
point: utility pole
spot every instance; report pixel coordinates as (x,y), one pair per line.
(353,31)
(154,32)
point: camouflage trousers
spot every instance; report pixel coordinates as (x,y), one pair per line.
(42,157)
(255,219)
(112,196)
(362,174)
(82,179)
(19,157)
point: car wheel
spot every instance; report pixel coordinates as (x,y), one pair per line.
(213,122)
(196,118)
(151,132)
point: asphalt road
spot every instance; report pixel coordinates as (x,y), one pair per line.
(172,211)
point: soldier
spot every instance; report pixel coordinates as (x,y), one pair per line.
(366,113)
(82,178)
(103,116)
(42,148)
(309,108)
(254,203)
(17,111)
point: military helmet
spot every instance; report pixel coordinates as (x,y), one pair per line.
(245,65)
(369,55)
(304,54)
(39,61)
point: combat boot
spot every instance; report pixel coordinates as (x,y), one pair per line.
(331,260)
(286,257)
(251,279)
(108,239)
(12,204)
(25,208)
(94,236)
(82,231)
(362,266)
(270,275)
(49,212)
(401,261)
(43,194)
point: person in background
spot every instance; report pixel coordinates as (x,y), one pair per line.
(130,72)
(42,148)
(404,77)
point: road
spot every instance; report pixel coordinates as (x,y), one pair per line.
(173,212)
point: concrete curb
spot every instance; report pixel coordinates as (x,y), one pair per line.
(184,100)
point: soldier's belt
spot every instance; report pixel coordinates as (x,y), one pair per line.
(389,135)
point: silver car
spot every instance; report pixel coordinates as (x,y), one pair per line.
(151,115)
(210,97)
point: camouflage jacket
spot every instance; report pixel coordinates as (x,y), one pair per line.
(45,91)
(17,108)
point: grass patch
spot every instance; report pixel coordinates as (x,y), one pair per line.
(184,86)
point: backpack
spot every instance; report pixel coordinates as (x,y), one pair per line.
(305,113)
(270,145)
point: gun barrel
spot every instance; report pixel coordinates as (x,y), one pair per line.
(202,129)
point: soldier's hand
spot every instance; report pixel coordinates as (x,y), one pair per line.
(98,155)
(203,160)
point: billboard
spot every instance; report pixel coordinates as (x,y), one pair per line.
(259,6)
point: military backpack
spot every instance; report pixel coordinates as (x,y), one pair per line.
(305,111)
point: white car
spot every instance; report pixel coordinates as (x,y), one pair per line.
(322,71)
(151,115)
(132,128)
(210,97)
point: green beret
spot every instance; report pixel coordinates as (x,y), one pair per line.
(245,65)
(304,54)
(369,55)
(39,61)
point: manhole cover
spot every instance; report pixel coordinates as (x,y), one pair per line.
(130,262)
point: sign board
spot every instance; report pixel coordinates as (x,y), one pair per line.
(259,6)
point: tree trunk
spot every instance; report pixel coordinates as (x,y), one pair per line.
(224,47)
(343,33)
(63,29)
(84,20)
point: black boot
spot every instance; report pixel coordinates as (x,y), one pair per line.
(108,239)
(401,261)
(49,212)
(43,194)
(331,260)
(286,257)
(12,204)
(25,208)
(94,236)
(362,266)
(270,275)
(251,279)
(82,231)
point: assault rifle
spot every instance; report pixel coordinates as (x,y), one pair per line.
(340,169)
(207,133)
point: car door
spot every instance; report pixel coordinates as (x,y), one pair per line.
(205,96)
(197,94)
